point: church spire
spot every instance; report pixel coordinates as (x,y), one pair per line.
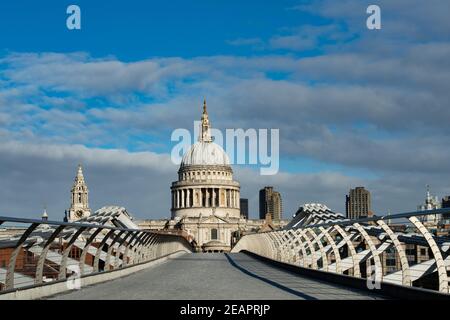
(79,205)
(45,214)
(205,134)
(80,176)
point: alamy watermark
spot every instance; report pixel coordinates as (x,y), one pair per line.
(73,21)
(73,282)
(373,22)
(252,146)
(374,276)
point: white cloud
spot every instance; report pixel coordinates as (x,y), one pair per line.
(34,176)
(246,42)
(404,20)
(309,37)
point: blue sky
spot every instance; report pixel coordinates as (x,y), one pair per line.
(158,28)
(136,30)
(354,107)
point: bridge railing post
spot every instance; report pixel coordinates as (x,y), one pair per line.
(406,278)
(437,256)
(67,248)
(128,248)
(111,247)
(143,250)
(43,255)
(321,249)
(334,247)
(10,273)
(90,240)
(122,243)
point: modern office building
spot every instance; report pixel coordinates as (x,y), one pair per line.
(244,208)
(358,203)
(270,203)
(446,202)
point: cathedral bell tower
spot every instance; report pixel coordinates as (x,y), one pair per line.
(79,207)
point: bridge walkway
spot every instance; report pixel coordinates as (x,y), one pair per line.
(215,276)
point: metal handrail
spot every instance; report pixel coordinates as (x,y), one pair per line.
(346,221)
(324,246)
(67,224)
(37,255)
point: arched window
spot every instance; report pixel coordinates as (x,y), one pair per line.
(213,234)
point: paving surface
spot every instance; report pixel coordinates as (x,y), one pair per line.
(214,276)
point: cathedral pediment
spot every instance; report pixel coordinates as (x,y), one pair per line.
(213,219)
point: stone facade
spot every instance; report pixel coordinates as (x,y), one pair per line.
(212,233)
(205,198)
(206,190)
(431,203)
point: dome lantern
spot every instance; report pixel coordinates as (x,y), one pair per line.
(205,132)
(205,151)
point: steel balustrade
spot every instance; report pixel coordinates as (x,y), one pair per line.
(364,248)
(334,247)
(35,252)
(406,279)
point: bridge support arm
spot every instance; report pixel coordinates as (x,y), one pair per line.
(334,247)
(373,250)
(351,249)
(322,251)
(406,277)
(440,264)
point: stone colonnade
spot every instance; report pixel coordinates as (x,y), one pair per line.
(205,198)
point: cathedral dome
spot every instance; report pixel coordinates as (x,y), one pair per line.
(205,153)
(205,186)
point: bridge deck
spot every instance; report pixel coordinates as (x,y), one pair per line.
(215,276)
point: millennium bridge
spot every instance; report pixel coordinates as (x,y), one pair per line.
(319,255)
